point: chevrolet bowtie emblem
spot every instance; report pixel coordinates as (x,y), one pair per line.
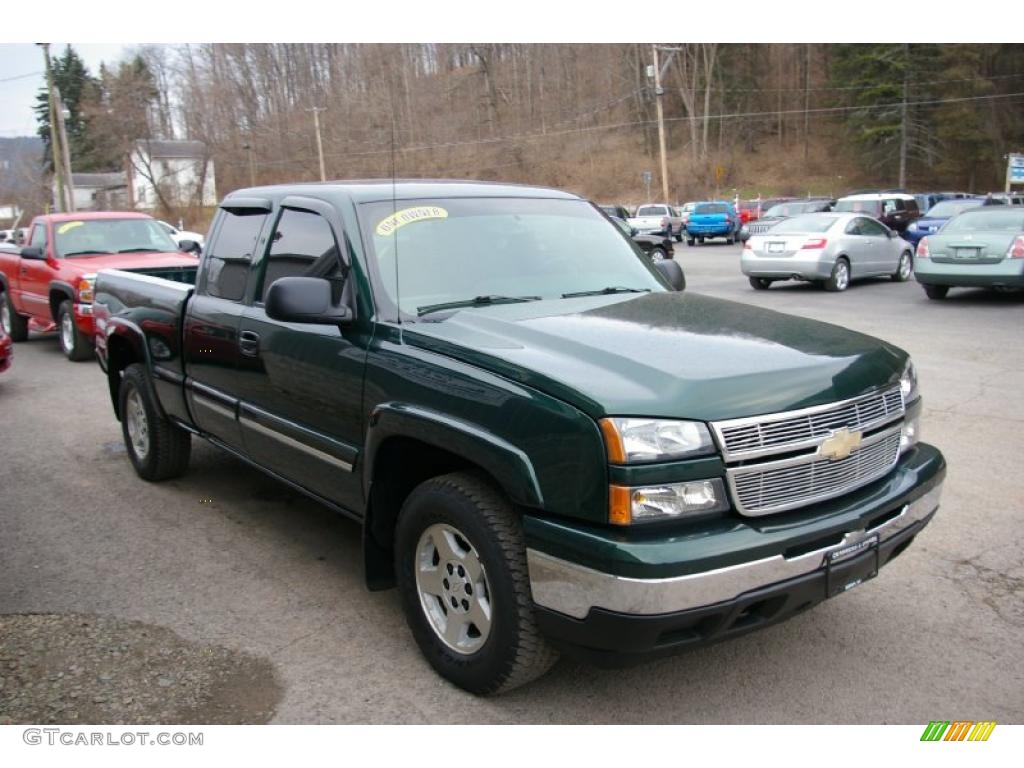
(840,444)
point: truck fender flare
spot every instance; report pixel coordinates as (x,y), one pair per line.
(506,463)
(4,286)
(120,328)
(62,288)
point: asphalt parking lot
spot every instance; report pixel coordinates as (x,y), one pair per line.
(228,557)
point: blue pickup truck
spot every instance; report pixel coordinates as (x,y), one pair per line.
(713,219)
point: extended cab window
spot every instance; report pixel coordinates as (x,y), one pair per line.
(302,246)
(230,255)
(39,236)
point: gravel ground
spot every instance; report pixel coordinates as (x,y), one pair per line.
(80,668)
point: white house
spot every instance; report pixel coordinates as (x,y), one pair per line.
(178,172)
(97,191)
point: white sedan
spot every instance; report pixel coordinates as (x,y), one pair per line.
(177,235)
(830,249)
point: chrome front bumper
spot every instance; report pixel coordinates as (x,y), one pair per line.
(573,589)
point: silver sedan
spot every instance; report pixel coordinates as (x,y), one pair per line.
(826,248)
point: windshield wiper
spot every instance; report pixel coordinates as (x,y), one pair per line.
(609,289)
(479,301)
(139,250)
(85,253)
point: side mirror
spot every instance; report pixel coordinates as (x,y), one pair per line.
(633,231)
(189,246)
(672,272)
(33,252)
(304,300)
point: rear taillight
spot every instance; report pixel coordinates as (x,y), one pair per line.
(664,222)
(814,244)
(922,249)
(1016,249)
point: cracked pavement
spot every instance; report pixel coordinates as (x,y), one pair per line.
(261,570)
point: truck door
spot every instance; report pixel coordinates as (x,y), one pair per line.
(300,384)
(32,296)
(211,326)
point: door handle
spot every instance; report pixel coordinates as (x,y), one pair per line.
(249,343)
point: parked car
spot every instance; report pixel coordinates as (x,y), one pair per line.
(830,249)
(50,280)
(1004,198)
(927,200)
(782,211)
(548,449)
(657,218)
(615,211)
(716,218)
(6,348)
(980,248)
(657,247)
(193,240)
(894,209)
(752,210)
(686,210)
(938,215)
(7,235)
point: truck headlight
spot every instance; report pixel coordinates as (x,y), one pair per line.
(666,501)
(629,440)
(908,382)
(85,288)
(909,434)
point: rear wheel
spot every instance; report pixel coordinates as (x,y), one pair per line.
(936,291)
(759,283)
(679,234)
(465,588)
(158,448)
(700,240)
(690,241)
(905,267)
(14,324)
(75,344)
(839,280)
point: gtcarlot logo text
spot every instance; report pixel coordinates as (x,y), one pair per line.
(76,738)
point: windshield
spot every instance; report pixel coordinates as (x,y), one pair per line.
(986,221)
(858,206)
(947,209)
(707,208)
(810,222)
(651,210)
(100,236)
(457,249)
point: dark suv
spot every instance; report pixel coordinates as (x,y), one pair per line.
(894,209)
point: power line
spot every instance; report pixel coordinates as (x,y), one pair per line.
(979,78)
(19,77)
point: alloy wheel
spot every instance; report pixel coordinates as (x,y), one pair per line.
(67,332)
(138,424)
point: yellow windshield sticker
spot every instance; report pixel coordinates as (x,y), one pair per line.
(408,216)
(65,228)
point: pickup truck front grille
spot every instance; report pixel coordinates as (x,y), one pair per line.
(774,464)
(763,489)
(781,432)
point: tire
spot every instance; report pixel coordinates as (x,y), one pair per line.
(459,520)
(700,240)
(16,325)
(657,254)
(759,283)
(690,241)
(839,280)
(679,234)
(904,269)
(75,344)
(730,239)
(157,448)
(936,292)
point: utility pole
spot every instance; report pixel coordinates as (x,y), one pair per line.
(319,142)
(903,117)
(65,149)
(252,164)
(54,149)
(658,93)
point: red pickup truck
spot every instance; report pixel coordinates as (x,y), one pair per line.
(48,283)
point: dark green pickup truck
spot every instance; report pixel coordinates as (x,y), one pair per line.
(547,446)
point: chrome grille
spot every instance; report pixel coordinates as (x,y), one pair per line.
(778,433)
(762,489)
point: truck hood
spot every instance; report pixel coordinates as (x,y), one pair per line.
(129,261)
(676,355)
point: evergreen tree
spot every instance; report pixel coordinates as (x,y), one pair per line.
(71,76)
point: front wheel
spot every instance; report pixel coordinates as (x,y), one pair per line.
(657,254)
(936,291)
(158,448)
(905,267)
(839,280)
(14,324)
(75,345)
(465,588)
